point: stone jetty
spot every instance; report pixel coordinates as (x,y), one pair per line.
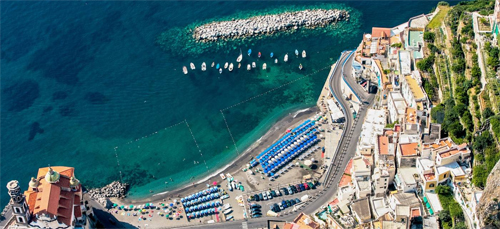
(115,189)
(268,24)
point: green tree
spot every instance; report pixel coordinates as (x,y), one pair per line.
(479,176)
(429,36)
(487,113)
(443,190)
(444,215)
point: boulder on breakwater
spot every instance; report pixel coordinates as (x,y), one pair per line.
(115,189)
(267,24)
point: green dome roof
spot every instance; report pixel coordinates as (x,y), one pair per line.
(52,176)
(33,183)
(74,182)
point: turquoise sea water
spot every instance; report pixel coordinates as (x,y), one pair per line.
(85,85)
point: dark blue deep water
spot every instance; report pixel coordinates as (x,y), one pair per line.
(85,85)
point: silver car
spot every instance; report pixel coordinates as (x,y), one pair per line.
(264,195)
(269,195)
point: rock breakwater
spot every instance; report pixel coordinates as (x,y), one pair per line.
(268,24)
(115,189)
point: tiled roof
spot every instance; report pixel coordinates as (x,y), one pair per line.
(409,149)
(345,180)
(348,167)
(381,32)
(411,115)
(383,145)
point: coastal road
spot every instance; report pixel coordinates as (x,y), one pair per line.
(346,150)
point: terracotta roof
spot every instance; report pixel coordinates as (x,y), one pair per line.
(345,180)
(411,115)
(348,167)
(291,226)
(334,202)
(409,149)
(383,145)
(429,177)
(381,32)
(397,128)
(78,211)
(63,170)
(415,212)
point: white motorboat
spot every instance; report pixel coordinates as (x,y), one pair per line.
(213,64)
(192,66)
(264,66)
(300,66)
(231,67)
(254,65)
(185,70)
(203,66)
(276,60)
(239,65)
(220,70)
(226,65)
(286,58)
(249,67)
(303,53)
(240,57)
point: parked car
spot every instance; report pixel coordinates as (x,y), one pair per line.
(261,197)
(302,188)
(255,210)
(255,206)
(306,186)
(257,215)
(297,186)
(281,206)
(278,193)
(256,197)
(290,191)
(292,201)
(297,200)
(311,185)
(288,203)
(264,194)
(284,191)
(269,195)
(273,193)
(284,204)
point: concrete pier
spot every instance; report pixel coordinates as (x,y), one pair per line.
(268,24)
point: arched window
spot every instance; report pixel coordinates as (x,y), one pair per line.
(431,186)
(20,219)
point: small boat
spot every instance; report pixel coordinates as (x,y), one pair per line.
(213,64)
(303,53)
(231,67)
(276,60)
(220,70)
(203,66)
(192,66)
(227,206)
(222,176)
(229,218)
(185,70)
(240,57)
(272,54)
(228,211)
(300,66)
(249,52)
(249,67)
(259,55)
(218,66)
(296,52)
(286,58)
(234,185)
(239,65)
(254,65)
(264,66)
(226,65)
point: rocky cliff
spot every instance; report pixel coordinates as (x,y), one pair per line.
(488,209)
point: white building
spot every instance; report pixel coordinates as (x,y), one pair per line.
(361,172)
(374,124)
(405,62)
(405,179)
(396,106)
(380,179)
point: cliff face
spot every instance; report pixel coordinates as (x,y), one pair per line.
(488,209)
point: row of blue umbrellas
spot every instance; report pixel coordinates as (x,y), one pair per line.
(288,146)
(201,213)
(272,166)
(199,194)
(287,139)
(201,199)
(203,206)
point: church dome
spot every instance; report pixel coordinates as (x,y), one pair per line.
(74,182)
(33,183)
(52,176)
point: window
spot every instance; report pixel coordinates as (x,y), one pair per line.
(444,175)
(17,210)
(20,219)
(431,186)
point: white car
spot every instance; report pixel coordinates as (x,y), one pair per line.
(269,195)
(281,206)
(264,195)
(278,193)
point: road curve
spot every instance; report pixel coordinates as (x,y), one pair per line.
(346,149)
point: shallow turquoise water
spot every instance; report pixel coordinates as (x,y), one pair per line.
(108,99)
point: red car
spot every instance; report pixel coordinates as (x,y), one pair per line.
(306,186)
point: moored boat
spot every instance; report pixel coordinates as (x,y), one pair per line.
(259,54)
(203,66)
(213,64)
(222,176)
(229,218)
(286,58)
(249,52)
(296,52)
(240,57)
(303,53)
(264,66)
(231,67)
(272,54)
(276,60)
(239,65)
(254,65)
(185,70)
(220,70)
(218,66)
(192,66)
(249,67)
(228,211)
(226,65)
(300,66)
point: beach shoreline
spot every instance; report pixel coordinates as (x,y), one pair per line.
(274,132)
